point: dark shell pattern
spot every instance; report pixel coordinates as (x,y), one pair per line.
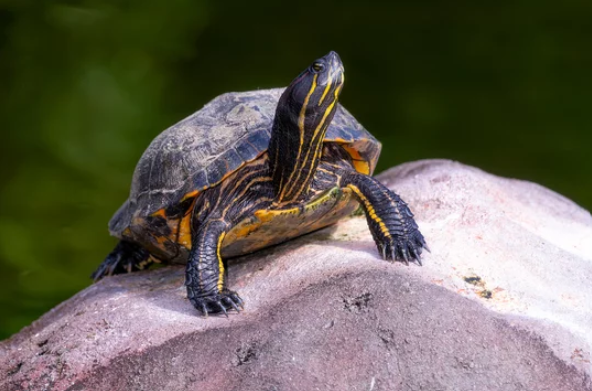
(199,151)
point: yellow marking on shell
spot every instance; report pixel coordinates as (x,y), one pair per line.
(180,227)
(269,227)
(354,153)
(370,210)
(252,224)
(157,244)
(360,164)
(265,216)
(160,212)
(318,150)
(247,228)
(220,263)
(191,194)
(301,119)
(184,231)
(340,140)
(161,239)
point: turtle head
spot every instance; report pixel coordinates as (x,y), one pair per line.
(303,114)
(316,90)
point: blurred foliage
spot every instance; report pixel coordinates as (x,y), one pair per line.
(87,84)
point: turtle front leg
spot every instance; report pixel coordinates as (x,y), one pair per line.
(205,273)
(126,257)
(390,221)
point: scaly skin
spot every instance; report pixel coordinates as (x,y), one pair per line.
(390,221)
(296,167)
(205,273)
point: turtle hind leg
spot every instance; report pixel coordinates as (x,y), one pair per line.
(126,257)
(391,223)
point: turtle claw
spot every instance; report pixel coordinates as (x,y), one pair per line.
(382,248)
(126,257)
(405,255)
(416,254)
(233,304)
(406,249)
(390,220)
(234,299)
(107,268)
(217,303)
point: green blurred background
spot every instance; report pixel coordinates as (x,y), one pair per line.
(85,86)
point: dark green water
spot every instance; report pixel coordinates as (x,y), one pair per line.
(505,86)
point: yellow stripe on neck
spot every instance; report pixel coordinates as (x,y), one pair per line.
(318,150)
(301,119)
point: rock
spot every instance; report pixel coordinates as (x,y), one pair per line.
(503,302)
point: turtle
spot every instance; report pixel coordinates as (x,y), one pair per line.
(251,170)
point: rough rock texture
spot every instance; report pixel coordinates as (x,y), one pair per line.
(503,302)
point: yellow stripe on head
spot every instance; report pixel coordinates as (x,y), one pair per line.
(327,88)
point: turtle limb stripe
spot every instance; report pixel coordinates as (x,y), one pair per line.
(205,272)
(390,221)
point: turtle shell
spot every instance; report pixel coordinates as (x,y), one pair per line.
(203,149)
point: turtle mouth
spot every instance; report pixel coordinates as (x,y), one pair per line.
(335,62)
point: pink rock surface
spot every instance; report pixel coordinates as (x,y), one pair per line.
(501,303)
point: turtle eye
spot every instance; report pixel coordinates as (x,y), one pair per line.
(317,67)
